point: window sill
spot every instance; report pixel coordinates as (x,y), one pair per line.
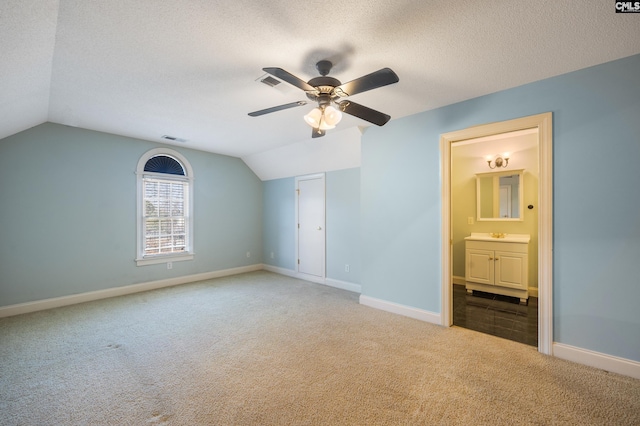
(163,259)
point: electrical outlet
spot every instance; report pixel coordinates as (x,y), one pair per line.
(248,254)
(272,255)
(169,265)
(346,268)
(470,220)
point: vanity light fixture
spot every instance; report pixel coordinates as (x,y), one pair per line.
(500,161)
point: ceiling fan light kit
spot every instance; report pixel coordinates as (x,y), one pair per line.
(323,118)
(326,92)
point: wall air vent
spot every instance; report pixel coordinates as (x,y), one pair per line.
(173,138)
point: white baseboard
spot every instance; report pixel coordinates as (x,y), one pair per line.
(40,305)
(279,270)
(57,302)
(343,285)
(310,278)
(403,310)
(599,360)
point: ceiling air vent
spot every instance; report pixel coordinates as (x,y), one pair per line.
(269,80)
(173,138)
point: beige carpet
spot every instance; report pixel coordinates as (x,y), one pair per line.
(262,349)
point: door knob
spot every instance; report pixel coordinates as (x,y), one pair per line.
(319,228)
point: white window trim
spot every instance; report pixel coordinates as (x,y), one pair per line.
(189,253)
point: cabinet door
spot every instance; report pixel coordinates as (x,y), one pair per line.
(511,269)
(479,266)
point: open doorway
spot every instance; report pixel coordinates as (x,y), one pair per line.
(495,280)
(541,125)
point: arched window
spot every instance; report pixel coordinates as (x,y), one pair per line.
(165,219)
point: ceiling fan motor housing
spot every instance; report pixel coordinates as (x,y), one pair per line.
(324,86)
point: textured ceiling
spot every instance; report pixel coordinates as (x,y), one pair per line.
(188,68)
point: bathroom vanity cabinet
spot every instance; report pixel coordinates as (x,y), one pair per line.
(498,265)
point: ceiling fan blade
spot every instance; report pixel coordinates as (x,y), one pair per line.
(317,133)
(290,78)
(363,112)
(376,79)
(277,108)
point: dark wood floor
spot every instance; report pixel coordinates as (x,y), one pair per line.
(501,316)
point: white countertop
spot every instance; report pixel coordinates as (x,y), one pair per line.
(508,238)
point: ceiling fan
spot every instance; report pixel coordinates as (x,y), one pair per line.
(328,91)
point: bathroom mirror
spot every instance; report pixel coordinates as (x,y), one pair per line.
(500,195)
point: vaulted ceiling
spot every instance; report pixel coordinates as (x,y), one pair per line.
(191,68)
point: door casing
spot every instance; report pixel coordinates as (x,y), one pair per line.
(543,123)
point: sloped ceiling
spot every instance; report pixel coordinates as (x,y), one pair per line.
(188,68)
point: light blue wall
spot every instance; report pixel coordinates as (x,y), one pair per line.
(342,229)
(68,214)
(400,211)
(596,245)
(278,223)
(84,183)
(343,225)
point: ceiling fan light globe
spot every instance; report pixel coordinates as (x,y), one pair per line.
(313,117)
(332,116)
